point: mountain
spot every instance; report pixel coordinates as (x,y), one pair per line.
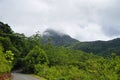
(100,47)
(96,47)
(58,39)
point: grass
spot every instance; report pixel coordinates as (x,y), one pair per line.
(41,78)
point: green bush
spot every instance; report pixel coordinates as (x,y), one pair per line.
(5,63)
(35,56)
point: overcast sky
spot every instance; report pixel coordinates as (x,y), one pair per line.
(85,20)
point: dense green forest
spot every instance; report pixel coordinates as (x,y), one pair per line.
(103,48)
(53,62)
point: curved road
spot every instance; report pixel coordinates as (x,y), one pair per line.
(19,76)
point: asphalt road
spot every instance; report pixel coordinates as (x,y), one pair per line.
(19,76)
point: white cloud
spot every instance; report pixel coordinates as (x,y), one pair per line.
(82,19)
(88,32)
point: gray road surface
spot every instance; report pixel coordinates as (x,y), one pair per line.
(19,76)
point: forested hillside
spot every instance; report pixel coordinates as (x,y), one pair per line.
(52,62)
(103,48)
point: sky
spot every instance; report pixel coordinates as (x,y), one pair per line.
(84,20)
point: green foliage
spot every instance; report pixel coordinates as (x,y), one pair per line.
(9,57)
(5,64)
(77,65)
(5,28)
(35,56)
(66,64)
(6,43)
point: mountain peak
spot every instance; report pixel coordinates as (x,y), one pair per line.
(51,32)
(58,38)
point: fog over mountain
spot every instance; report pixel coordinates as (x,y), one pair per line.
(58,38)
(51,32)
(84,20)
